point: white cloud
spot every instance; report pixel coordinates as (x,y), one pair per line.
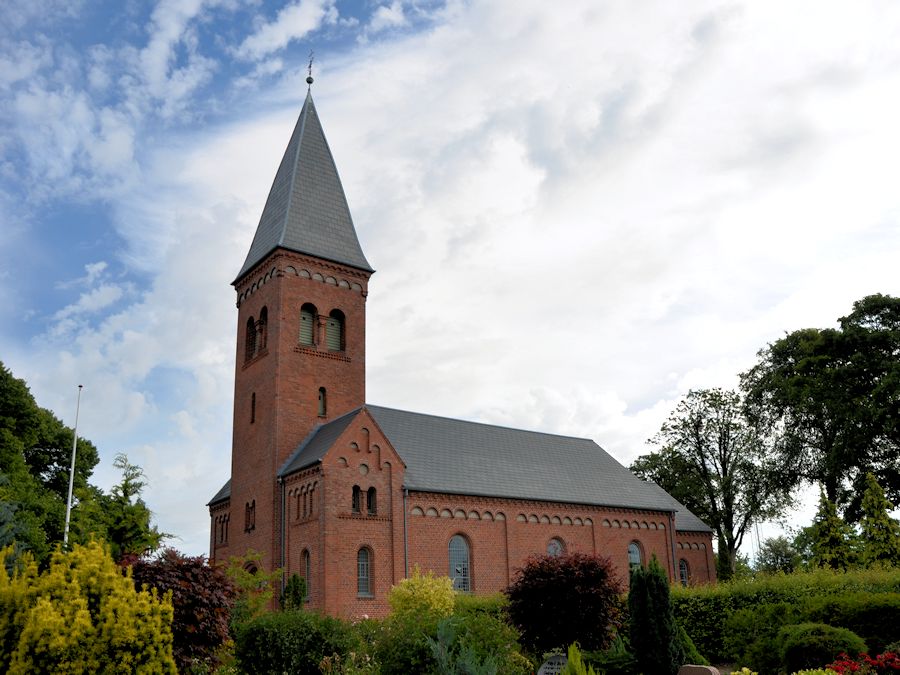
(294,21)
(94,300)
(386,17)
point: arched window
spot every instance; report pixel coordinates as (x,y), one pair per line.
(683,572)
(334,331)
(323,402)
(555,547)
(262,329)
(364,572)
(357,498)
(250,344)
(459,563)
(635,558)
(306,566)
(370,501)
(308,324)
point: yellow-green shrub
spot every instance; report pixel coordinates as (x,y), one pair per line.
(423,595)
(82,615)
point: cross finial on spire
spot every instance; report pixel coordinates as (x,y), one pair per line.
(309,77)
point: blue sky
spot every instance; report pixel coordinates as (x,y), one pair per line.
(577,211)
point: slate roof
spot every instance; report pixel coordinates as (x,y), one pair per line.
(306,210)
(223,494)
(469,458)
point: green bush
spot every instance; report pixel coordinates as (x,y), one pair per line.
(477,643)
(292,642)
(809,645)
(751,634)
(401,645)
(875,618)
(616,659)
(294,594)
(700,608)
(495,605)
(423,594)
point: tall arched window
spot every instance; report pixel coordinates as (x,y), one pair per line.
(308,324)
(306,566)
(323,402)
(683,572)
(262,329)
(459,563)
(635,558)
(364,572)
(357,498)
(334,331)
(370,501)
(250,340)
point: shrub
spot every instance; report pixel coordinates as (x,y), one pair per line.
(82,614)
(575,664)
(808,645)
(254,588)
(402,644)
(292,642)
(555,601)
(700,608)
(651,621)
(496,605)
(477,643)
(201,598)
(294,594)
(889,662)
(751,634)
(875,618)
(614,660)
(423,595)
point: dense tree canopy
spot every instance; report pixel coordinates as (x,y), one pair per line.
(35,455)
(717,464)
(833,398)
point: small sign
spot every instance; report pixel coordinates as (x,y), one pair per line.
(554,665)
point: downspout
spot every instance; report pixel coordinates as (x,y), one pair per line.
(281,484)
(405,536)
(672,530)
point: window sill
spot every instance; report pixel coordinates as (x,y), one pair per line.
(365,596)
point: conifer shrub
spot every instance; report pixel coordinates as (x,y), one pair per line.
(292,642)
(555,601)
(81,615)
(294,594)
(810,645)
(202,597)
(651,621)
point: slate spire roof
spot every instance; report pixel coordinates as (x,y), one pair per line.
(306,210)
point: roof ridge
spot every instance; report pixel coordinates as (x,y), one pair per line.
(484,424)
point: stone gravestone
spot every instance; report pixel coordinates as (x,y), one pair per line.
(554,665)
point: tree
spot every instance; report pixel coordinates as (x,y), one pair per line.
(581,594)
(880,540)
(129,530)
(201,598)
(294,594)
(777,554)
(651,621)
(832,397)
(717,465)
(35,453)
(831,545)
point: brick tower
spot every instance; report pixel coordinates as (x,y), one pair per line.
(300,361)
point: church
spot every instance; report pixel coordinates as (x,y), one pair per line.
(350,495)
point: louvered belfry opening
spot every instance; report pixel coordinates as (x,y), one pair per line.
(308,324)
(334,331)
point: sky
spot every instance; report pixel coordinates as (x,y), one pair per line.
(577,211)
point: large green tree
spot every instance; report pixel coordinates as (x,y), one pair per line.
(880,534)
(717,464)
(35,455)
(35,452)
(832,396)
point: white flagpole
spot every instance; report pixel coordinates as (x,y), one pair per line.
(72,470)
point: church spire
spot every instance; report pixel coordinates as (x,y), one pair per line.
(306,210)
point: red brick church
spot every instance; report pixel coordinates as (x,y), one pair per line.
(352,495)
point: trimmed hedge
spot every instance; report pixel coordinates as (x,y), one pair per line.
(874,617)
(702,610)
